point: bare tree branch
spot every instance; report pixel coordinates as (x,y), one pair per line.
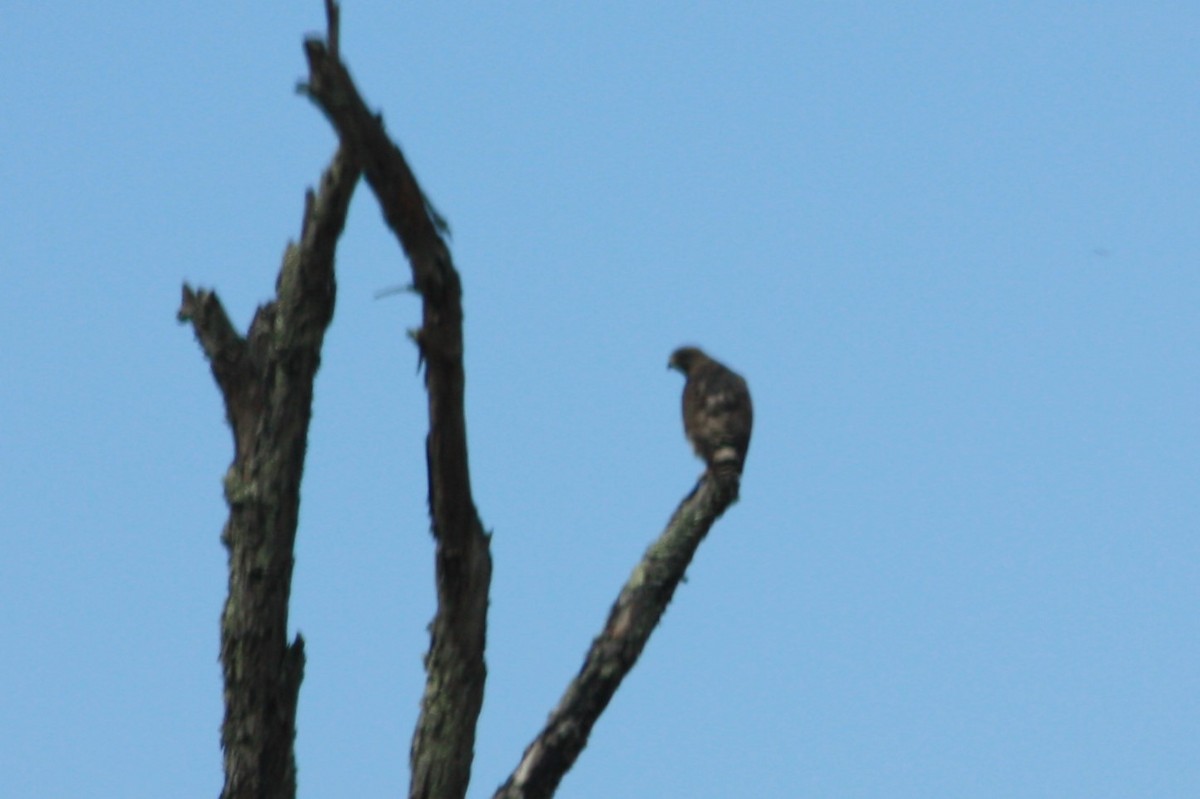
(613,654)
(444,741)
(266,380)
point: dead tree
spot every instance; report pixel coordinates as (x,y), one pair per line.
(266,381)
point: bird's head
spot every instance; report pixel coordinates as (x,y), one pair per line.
(683,358)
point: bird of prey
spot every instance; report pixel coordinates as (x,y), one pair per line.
(717,415)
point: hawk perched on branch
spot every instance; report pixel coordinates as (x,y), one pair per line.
(717,414)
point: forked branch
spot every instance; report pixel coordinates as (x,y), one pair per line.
(266,380)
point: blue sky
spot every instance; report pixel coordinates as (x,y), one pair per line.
(953,248)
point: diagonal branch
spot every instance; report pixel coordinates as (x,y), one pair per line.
(444,741)
(266,380)
(613,654)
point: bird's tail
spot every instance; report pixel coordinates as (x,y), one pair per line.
(726,470)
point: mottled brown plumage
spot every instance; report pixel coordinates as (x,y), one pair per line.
(717,414)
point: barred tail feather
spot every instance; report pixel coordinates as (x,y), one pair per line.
(726,470)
